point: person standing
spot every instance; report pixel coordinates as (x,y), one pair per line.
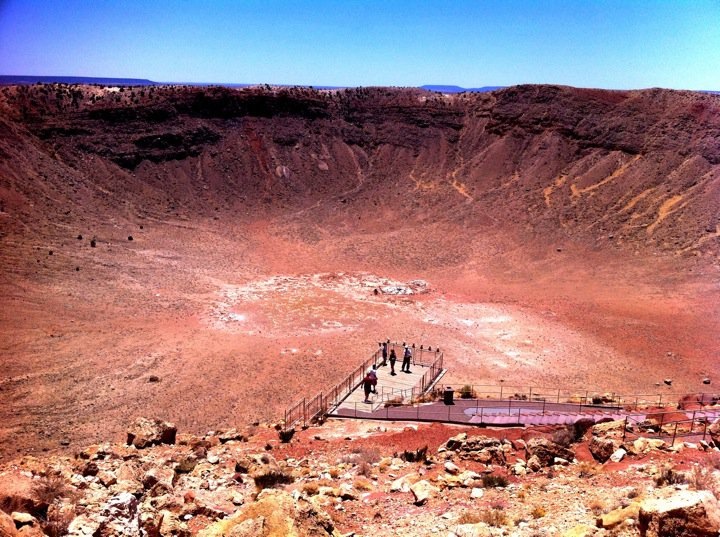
(384,353)
(393,359)
(367,387)
(407,355)
(372,374)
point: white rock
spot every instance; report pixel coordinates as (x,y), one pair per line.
(477,493)
(451,468)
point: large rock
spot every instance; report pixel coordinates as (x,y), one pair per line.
(119,517)
(275,513)
(159,480)
(16,490)
(7,526)
(146,432)
(687,512)
(547,451)
(601,448)
(423,491)
(618,516)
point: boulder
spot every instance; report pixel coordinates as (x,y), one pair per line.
(687,512)
(145,432)
(422,491)
(159,480)
(644,445)
(83,526)
(618,455)
(119,517)
(16,489)
(232,435)
(451,468)
(275,512)
(601,448)
(400,485)
(7,526)
(170,526)
(618,516)
(546,451)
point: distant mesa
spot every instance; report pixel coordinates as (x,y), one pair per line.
(8,80)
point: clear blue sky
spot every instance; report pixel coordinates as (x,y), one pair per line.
(609,44)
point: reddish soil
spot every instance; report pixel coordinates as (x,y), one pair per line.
(568,239)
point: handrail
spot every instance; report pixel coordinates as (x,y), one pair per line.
(309,410)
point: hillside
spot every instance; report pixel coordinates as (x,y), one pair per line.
(227,242)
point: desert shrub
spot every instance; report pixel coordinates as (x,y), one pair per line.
(634,493)
(469,517)
(358,455)
(419,455)
(668,476)
(395,401)
(286,435)
(596,506)
(495,516)
(272,479)
(310,488)
(334,472)
(50,488)
(538,511)
(588,469)
(467,392)
(364,469)
(58,519)
(362,483)
(494,481)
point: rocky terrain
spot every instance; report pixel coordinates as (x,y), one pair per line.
(210,256)
(358,478)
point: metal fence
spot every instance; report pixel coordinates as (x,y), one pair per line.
(574,395)
(307,410)
(667,426)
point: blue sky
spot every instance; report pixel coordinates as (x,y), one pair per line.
(470,43)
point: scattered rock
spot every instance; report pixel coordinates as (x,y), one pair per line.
(546,451)
(275,512)
(601,448)
(423,491)
(146,432)
(618,455)
(451,468)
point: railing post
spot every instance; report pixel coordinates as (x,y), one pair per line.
(625,428)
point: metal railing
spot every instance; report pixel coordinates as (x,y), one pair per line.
(307,410)
(666,425)
(583,397)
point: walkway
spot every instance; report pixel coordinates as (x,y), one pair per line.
(389,387)
(497,412)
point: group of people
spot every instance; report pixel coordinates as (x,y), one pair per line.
(371,377)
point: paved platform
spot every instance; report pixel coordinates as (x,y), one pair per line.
(388,387)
